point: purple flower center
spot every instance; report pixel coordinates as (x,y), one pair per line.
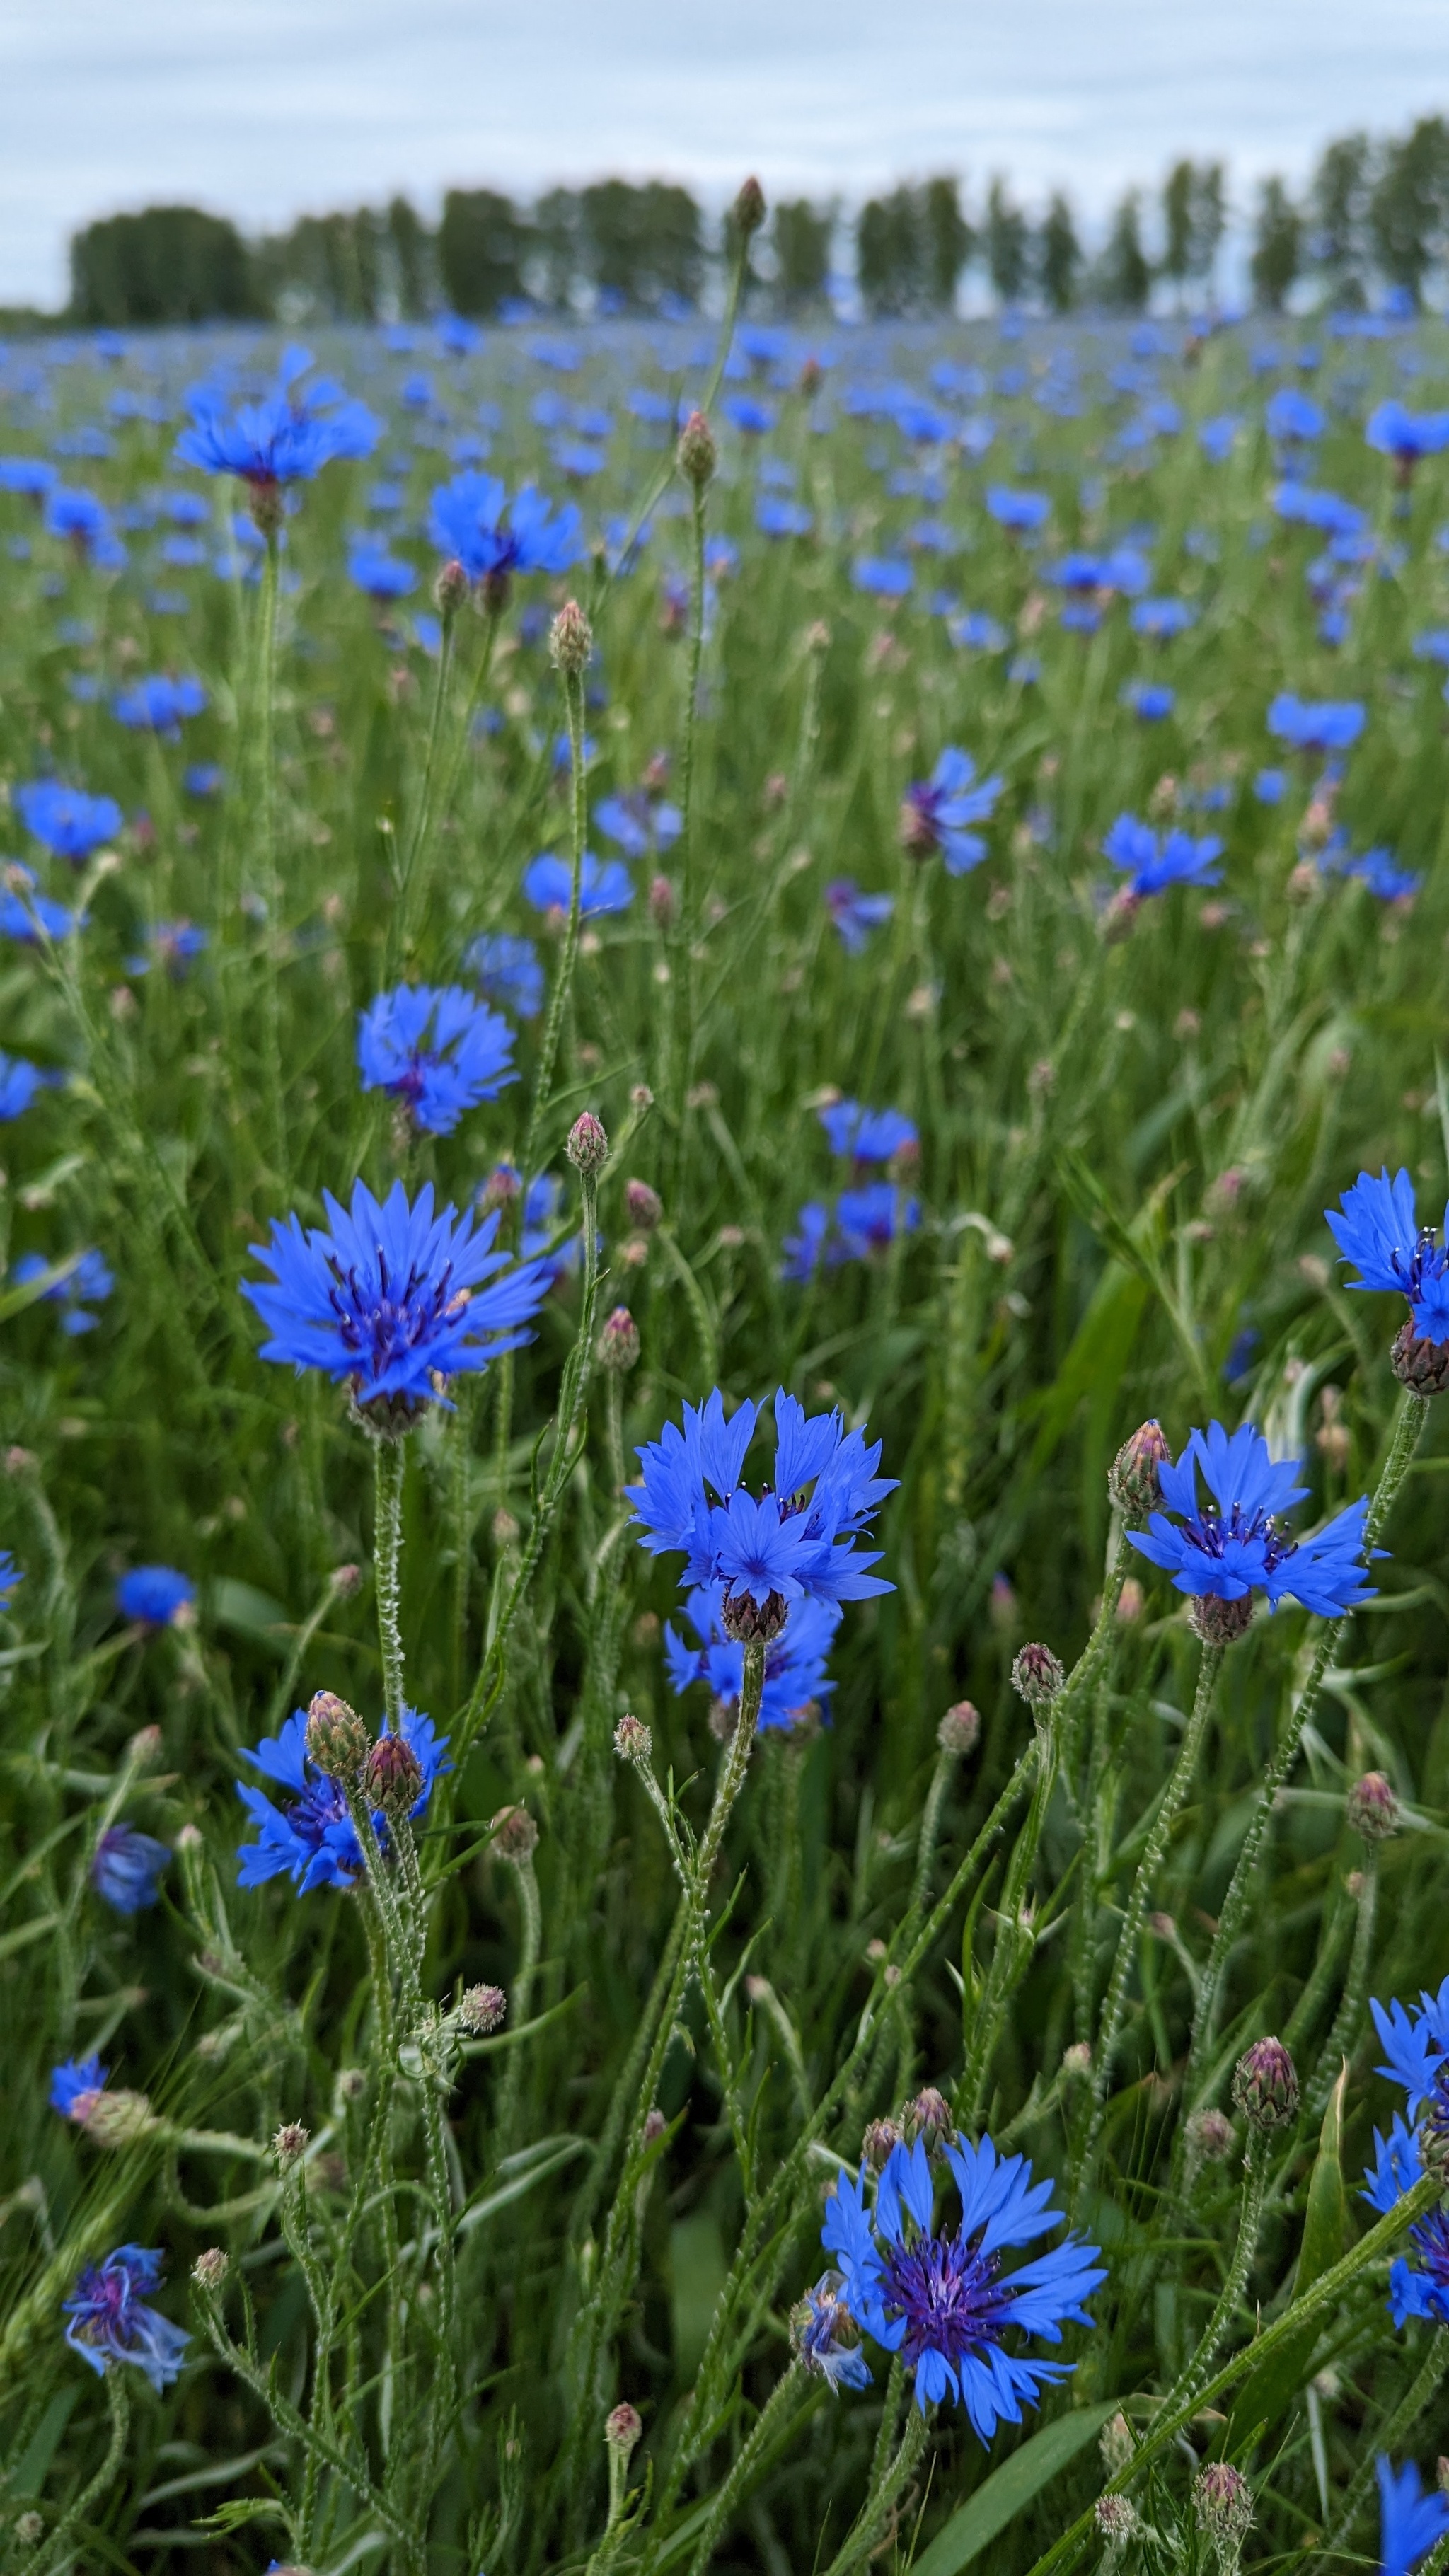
(1431,2241)
(107,2295)
(379,1328)
(1425,1266)
(1214,1535)
(948,2294)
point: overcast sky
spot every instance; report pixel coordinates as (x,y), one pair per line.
(265,108)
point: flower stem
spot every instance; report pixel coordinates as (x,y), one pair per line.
(685,924)
(783,2399)
(1250,2219)
(389,1461)
(558,1000)
(271,874)
(885,2490)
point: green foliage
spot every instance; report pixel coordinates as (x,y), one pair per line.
(641,243)
(1006,241)
(1277,252)
(481,249)
(167,264)
(1058,257)
(800,235)
(1124,272)
(1408,211)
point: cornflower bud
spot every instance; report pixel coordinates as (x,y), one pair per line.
(1220,1623)
(880,2137)
(482,2010)
(1419,1364)
(654,2127)
(1223,2502)
(749,209)
(346,1580)
(210,2268)
(515,1835)
(960,1729)
(1265,2085)
(393,1777)
(1077,2060)
(632,1740)
(338,1741)
(1118,2522)
(1133,1481)
(588,1146)
(696,454)
(117,2119)
(450,588)
(1373,1810)
(622,2428)
(644,1205)
(927,2116)
(290,2143)
(749,1622)
(661,902)
(29,2528)
(1209,2137)
(1037,1676)
(351,2083)
(570,640)
(1115,2445)
(501,1188)
(619,1341)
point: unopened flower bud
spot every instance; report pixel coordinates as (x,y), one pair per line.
(482,2009)
(876,2145)
(210,2268)
(622,2428)
(1223,2502)
(644,1205)
(1077,2060)
(29,2528)
(661,901)
(632,1740)
(927,2117)
(116,2119)
(1209,2137)
(588,1146)
(290,2142)
(654,2127)
(1115,2445)
(1118,2522)
(749,209)
(338,1740)
(351,2083)
(696,454)
(515,1835)
(570,640)
(1265,2085)
(1220,1623)
(1037,1676)
(144,1747)
(1134,1478)
(501,1188)
(960,1729)
(1418,1363)
(750,1622)
(1373,1810)
(346,1581)
(393,1778)
(619,1341)
(450,588)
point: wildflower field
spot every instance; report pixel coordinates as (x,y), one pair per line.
(725,1767)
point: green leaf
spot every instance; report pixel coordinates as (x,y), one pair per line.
(242,2510)
(1010,2489)
(1270,2391)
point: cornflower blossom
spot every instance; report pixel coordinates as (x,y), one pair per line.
(111,2322)
(638,823)
(172,944)
(804,1252)
(90,1282)
(508,970)
(75,2086)
(1149,700)
(160,705)
(126,1870)
(1162,618)
(10,1576)
(1376,1226)
(776,516)
(1231,1547)
(77,514)
(1377,869)
(1020,512)
(473,520)
(883,576)
(796,1542)
(157,1595)
(1411,2520)
(27,474)
(854,914)
(381,576)
(286,437)
(19,1082)
(827,2337)
(65,819)
(391,1298)
(942,2300)
(1323,727)
(311,1839)
(604,885)
(795,1674)
(1293,416)
(936,811)
(1154,862)
(1122,570)
(436,1049)
(868,1135)
(868,1221)
(1406,435)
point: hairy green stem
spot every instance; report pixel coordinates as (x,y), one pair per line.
(389,1467)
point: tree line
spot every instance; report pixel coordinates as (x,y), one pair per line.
(1374,214)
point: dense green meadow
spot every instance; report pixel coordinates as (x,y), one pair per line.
(457,2235)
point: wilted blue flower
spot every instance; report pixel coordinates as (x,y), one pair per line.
(1326,726)
(1155,862)
(127,1867)
(1377,1226)
(19,1083)
(473,519)
(508,970)
(1232,1546)
(604,886)
(391,1298)
(110,2321)
(159,704)
(883,576)
(75,2085)
(1149,699)
(798,1541)
(287,437)
(437,1049)
(311,1839)
(936,810)
(1407,435)
(10,1575)
(155,1594)
(372,569)
(854,914)
(1018,511)
(868,1135)
(1410,2521)
(942,2301)
(89,1283)
(68,821)
(827,2337)
(795,1674)
(868,1220)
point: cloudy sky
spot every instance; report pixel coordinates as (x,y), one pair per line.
(266,108)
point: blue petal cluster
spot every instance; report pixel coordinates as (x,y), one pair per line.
(19,1082)
(127,1868)
(287,437)
(110,2321)
(1415,2042)
(1406,435)
(854,914)
(795,1674)
(437,1049)
(380,575)
(937,811)
(89,1282)
(508,970)
(473,520)
(1410,2521)
(1155,862)
(11,1575)
(604,885)
(392,1298)
(868,1135)
(1377,1227)
(311,1839)
(1328,725)
(942,2301)
(160,704)
(1232,1546)
(154,1594)
(797,1541)
(75,2085)
(827,2336)
(68,821)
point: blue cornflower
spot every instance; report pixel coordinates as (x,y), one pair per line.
(1416,2044)
(1327,511)
(795,1674)
(1155,863)
(382,576)
(157,1595)
(604,885)
(936,811)
(68,821)
(1123,569)
(311,1840)
(508,970)
(126,1869)
(775,516)
(1422,2289)
(1018,511)
(10,1575)
(436,1049)
(110,2321)
(172,944)
(868,1135)
(287,437)
(1377,1227)
(805,1250)
(868,1220)
(1294,415)
(942,2301)
(1149,699)
(19,1082)
(1217,437)
(883,576)
(1432,645)
(1270,786)
(798,1540)
(1326,726)
(392,1298)
(77,514)
(74,2087)
(1233,1547)
(638,823)
(1379,871)
(974,632)
(1410,2521)
(28,474)
(203,778)
(1161,618)
(854,914)
(158,704)
(90,1281)
(746,412)
(1406,435)
(827,2337)
(492,537)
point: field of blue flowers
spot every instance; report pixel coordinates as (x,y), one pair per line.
(725,1761)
